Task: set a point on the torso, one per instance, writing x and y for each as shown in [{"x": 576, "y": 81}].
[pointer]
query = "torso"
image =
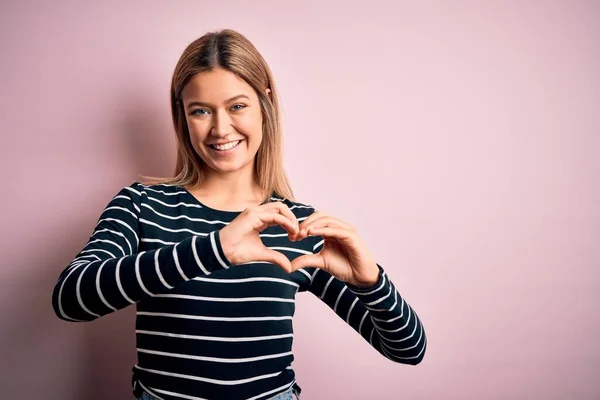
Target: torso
[
  {"x": 236, "y": 205},
  {"x": 248, "y": 301}
]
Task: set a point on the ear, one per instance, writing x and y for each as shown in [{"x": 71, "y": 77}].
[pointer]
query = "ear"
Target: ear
[{"x": 268, "y": 91}]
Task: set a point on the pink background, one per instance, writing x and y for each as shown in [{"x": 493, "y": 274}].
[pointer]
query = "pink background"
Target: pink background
[{"x": 460, "y": 138}]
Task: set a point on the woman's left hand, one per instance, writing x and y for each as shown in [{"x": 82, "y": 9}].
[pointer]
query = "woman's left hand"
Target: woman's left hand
[{"x": 343, "y": 255}]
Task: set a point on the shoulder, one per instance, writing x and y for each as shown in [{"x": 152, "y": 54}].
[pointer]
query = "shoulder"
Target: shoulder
[
  {"x": 139, "y": 192},
  {"x": 161, "y": 189}
]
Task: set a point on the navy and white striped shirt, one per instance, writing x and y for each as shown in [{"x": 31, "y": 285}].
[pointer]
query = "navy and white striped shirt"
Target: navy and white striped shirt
[{"x": 206, "y": 329}]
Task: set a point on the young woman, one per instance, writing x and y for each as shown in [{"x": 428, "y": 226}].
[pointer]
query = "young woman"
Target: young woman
[{"x": 214, "y": 257}]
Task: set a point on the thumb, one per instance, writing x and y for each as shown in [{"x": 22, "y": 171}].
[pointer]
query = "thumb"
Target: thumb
[
  {"x": 308, "y": 260},
  {"x": 276, "y": 257}
]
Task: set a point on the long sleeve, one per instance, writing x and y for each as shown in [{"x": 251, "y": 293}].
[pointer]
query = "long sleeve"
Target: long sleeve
[
  {"x": 379, "y": 314},
  {"x": 109, "y": 273}
]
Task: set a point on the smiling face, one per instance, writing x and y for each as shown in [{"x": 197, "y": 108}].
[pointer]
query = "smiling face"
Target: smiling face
[{"x": 224, "y": 119}]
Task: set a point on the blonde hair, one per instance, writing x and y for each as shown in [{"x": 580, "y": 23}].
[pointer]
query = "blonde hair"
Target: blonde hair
[{"x": 231, "y": 51}]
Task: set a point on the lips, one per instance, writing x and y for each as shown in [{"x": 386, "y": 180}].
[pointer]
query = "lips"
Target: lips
[
  {"x": 225, "y": 143},
  {"x": 225, "y": 151}
]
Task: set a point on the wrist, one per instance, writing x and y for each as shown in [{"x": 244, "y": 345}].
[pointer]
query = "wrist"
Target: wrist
[
  {"x": 369, "y": 280},
  {"x": 222, "y": 236}
]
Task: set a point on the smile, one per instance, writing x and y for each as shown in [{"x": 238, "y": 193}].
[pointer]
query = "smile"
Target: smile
[{"x": 225, "y": 148}]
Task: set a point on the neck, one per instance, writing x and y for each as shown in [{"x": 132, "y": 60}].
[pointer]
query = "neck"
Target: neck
[{"x": 237, "y": 188}]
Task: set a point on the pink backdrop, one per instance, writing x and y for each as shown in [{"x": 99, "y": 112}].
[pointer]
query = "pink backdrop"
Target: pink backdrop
[{"x": 460, "y": 138}]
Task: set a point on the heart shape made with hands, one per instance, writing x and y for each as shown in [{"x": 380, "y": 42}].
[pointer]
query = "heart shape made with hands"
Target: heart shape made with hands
[{"x": 343, "y": 254}]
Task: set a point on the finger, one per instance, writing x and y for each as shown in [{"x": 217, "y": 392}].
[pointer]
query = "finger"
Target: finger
[
  {"x": 272, "y": 218},
  {"x": 308, "y": 260},
  {"x": 315, "y": 215},
  {"x": 326, "y": 221},
  {"x": 340, "y": 234},
  {"x": 333, "y": 221},
  {"x": 277, "y": 258},
  {"x": 284, "y": 210}
]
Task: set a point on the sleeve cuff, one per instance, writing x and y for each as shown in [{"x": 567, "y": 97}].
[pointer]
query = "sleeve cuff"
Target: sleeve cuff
[
  {"x": 218, "y": 249},
  {"x": 209, "y": 254},
  {"x": 364, "y": 290}
]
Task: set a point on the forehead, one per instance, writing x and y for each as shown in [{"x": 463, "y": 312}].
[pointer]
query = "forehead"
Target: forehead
[{"x": 216, "y": 85}]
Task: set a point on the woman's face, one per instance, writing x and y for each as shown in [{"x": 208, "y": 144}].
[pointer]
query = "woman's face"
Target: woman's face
[{"x": 222, "y": 109}]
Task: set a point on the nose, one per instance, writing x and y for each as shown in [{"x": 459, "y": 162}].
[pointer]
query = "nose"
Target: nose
[{"x": 221, "y": 124}]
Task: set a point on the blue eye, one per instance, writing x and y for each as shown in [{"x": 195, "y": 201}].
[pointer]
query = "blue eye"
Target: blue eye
[{"x": 241, "y": 106}]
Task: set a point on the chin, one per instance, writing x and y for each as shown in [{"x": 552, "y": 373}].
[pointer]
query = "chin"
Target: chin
[{"x": 229, "y": 167}]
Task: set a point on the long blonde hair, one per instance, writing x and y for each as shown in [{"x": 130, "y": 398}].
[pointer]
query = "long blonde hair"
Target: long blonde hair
[{"x": 231, "y": 51}]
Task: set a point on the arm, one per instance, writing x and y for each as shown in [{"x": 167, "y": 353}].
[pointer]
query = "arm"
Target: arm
[
  {"x": 378, "y": 313},
  {"x": 109, "y": 273}
]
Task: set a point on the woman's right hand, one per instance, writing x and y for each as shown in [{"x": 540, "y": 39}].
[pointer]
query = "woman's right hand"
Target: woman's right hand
[{"x": 240, "y": 239}]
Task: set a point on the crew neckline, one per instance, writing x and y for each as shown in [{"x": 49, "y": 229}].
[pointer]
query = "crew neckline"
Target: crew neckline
[{"x": 220, "y": 213}]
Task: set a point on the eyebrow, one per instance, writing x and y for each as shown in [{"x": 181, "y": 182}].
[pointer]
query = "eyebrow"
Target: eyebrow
[{"x": 201, "y": 103}]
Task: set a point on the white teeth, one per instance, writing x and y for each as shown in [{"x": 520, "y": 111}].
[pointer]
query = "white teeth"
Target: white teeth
[{"x": 226, "y": 146}]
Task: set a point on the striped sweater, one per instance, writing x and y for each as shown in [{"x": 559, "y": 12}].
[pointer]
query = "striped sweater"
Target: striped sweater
[{"x": 206, "y": 329}]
